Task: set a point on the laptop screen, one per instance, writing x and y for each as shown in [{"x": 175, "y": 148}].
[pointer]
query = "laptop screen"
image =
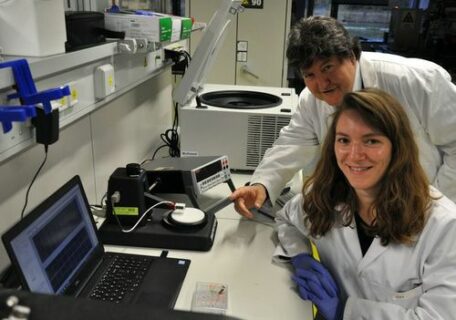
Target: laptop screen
[{"x": 53, "y": 243}]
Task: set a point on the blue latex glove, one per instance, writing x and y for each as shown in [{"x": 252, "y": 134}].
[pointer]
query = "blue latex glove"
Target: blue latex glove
[
  {"x": 315, "y": 283},
  {"x": 302, "y": 261}
]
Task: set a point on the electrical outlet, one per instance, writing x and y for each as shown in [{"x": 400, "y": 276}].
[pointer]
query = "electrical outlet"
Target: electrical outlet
[
  {"x": 67, "y": 101},
  {"x": 104, "y": 81},
  {"x": 19, "y": 134},
  {"x": 58, "y": 104},
  {"x": 73, "y": 98},
  {"x": 158, "y": 58}
]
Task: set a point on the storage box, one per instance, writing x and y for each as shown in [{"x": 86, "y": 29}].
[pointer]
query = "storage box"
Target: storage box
[
  {"x": 182, "y": 27},
  {"x": 32, "y": 28},
  {"x": 177, "y": 28},
  {"x": 187, "y": 25},
  {"x": 153, "y": 27}
]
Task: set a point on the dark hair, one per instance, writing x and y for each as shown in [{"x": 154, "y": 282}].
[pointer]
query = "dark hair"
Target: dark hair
[
  {"x": 319, "y": 37},
  {"x": 403, "y": 200}
]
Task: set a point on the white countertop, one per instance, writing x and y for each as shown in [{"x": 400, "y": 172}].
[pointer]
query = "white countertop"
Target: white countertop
[{"x": 240, "y": 259}]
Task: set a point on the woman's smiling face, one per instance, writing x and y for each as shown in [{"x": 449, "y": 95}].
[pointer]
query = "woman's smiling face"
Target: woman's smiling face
[{"x": 363, "y": 153}]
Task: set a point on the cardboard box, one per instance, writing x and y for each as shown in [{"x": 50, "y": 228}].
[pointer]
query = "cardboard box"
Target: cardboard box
[{"x": 177, "y": 27}]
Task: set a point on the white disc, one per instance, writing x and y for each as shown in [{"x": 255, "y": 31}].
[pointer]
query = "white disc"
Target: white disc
[{"x": 188, "y": 216}]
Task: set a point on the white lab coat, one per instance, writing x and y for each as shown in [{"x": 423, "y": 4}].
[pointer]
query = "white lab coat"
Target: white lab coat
[
  {"x": 393, "y": 282},
  {"x": 423, "y": 88}
]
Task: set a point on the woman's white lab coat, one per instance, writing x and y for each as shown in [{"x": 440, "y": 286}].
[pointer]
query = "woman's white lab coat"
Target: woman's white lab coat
[
  {"x": 393, "y": 282},
  {"x": 423, "y": 88}
]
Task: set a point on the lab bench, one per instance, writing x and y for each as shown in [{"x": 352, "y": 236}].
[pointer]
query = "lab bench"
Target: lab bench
[{"x": 241, "y": 260}]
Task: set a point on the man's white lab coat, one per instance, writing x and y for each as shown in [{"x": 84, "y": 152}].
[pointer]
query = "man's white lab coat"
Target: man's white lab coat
[
  {"x": 392, "y": 282},
  {"x": 423, "y": 88}
]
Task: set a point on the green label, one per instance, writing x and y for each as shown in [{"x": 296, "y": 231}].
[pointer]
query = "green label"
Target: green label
[
  {"x": 126, "y": 211},
  {"x": 186, "y": 28},
  {"x": 165, "y": 29}
]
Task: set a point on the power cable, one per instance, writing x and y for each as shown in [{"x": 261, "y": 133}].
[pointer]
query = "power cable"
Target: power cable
[{"x": 33, "y": 180}]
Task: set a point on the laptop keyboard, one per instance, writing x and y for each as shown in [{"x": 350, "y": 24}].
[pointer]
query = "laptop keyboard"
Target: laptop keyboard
[{"x": 121, "y": 279}]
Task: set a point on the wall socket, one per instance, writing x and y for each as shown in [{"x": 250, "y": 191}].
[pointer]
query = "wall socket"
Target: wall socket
[{"x": 104, "y": 81}]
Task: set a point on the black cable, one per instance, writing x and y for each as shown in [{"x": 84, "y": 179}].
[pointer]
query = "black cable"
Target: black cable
[
  {"x": 189, "y": 57},
  {"x": 174, "y": 150},
  {"x": 170, "y": 138},
  {"x": 102, "y": 198},
  {"x": 33, "y": 180},
  {"x": 156, "y": 150}
]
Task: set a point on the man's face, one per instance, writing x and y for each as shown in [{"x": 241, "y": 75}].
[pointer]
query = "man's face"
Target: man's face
[{"x": 329, "y": 79}]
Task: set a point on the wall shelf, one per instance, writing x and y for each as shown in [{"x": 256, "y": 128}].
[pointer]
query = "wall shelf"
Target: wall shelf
[
  {"x": 77, "y": 69},
  {"x": 45, "y": 66}
]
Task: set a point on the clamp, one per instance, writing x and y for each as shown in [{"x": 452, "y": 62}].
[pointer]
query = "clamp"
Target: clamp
[{"x": 28, "y": 95}]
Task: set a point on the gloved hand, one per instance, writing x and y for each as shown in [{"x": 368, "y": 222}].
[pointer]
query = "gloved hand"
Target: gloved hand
[
  {"x": 315, "y": 283},
  {"x": 301, "y": 261}
]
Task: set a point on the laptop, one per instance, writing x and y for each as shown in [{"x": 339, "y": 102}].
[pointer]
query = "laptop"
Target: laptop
[{"x": 56, "y": 250}]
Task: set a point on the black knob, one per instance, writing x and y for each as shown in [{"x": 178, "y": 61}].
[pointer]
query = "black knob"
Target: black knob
[{"x": 133, "y": 169}]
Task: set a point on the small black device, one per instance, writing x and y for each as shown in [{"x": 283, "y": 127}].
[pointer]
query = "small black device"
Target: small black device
[
  {"x": 85, "y": 29},
  {"x": 126, "y": 186},
  {"x": 182, "y": 180},
  {"x": 161, "y": 231},
  {"x": 47, "y": 126}
]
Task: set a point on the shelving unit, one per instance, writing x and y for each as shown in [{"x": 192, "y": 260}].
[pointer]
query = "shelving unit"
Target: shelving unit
[{"x": 77, "y": 70}]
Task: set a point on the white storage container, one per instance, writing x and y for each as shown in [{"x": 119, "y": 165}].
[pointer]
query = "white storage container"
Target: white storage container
[{"x": 32, "y": 27}]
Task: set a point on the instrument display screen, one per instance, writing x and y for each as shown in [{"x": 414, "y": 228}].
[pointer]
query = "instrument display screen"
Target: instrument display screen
[{"x": 207, "y": 171}]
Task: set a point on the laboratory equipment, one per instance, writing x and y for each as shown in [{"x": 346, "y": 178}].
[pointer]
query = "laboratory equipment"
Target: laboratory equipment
[
  {"x": 178, "y": 180},
  {"x": 55, "y": 249},
  {"x": 193, "y": 80},
  {"x": 239, "y": 121},
  {"x": 240, "y": 127}
]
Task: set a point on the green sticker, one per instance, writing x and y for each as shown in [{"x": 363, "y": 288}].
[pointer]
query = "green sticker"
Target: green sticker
[
  {"x": 186, "y": 28},
  {"x": 126, "y": 211},
  {"x": 165, "y": 29}
]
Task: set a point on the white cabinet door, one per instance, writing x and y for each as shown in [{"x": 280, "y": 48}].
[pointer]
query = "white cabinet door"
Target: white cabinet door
[
  {"x": 263, "y": 30},
  {"x": 224, "y": 67}
]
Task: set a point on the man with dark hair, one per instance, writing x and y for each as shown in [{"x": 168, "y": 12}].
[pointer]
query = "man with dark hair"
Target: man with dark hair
[{"x": 332, "y": 64}]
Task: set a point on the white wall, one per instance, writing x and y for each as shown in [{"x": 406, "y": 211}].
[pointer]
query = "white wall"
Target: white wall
[{"x": 125, "y": 130}]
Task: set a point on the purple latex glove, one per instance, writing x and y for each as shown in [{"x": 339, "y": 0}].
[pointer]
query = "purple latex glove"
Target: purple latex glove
[
  {"x": 315, "y": 283},
  {"x": 302, "y": 261}
]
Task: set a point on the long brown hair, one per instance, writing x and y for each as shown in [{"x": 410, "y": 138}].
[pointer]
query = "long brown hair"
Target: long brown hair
[{"x": 403, "y": 200}]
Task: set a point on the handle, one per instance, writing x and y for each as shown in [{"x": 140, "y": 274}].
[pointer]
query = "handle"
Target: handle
[
  {"x": 246, "y": 69},
  {"x": 110, "y": 33}
]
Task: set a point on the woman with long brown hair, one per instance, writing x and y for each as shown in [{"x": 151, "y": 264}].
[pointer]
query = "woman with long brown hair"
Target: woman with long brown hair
[{"x": 386, "y": 239}]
